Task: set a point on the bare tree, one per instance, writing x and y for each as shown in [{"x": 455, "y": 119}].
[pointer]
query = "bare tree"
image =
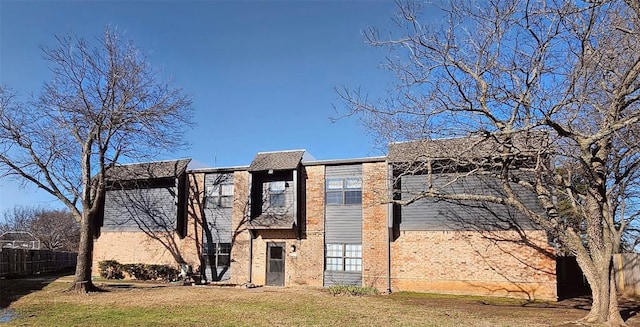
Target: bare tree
[
  {"x": 104, "y": 104},
  {"x": 563, "y": 73},
  {"x": 18, "y": 218},
  {"x": 55, "y": 229}
]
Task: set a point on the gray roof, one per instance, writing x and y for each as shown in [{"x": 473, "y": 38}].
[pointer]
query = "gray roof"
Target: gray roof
[
  {"x": 283, "y": 160},
  {"x": 148, "y": 170},
  {"x": 463, "y": 148}
]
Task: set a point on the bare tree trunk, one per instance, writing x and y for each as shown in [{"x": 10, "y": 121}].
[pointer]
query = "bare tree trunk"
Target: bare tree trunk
[
  {"x": 614, "y": 313},
  {"x": 82, "y": 282},
  {"x": 604, "y": 306}
]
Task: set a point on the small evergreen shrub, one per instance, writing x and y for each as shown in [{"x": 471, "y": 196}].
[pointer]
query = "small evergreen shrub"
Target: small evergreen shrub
[
  {"x": 352, "y": 290},
  {"x": 141, "y": 271},
  {"x": 110, "y": 269},
  {"x": 137, "y": 271},
  {"x": 166, "y": 272}
]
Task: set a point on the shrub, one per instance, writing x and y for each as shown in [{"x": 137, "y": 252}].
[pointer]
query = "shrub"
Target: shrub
[
  {"x": 110, "y": 269},
  {"x": 352, "y": 290},
  {"x": 136, "y": 270},
  {"x": 141, "y": 271},
  {"x": 166, "y": 272}
]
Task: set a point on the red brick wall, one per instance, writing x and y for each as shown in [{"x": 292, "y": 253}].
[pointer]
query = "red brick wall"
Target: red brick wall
[
  {"x": 240, "y": 236},
  {"x": 374, "y": 225},
  {"x": 467, "y": 262}
]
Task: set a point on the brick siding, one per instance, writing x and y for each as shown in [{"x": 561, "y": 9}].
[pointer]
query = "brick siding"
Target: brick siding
[
  {"x": 468, "y": 262},
  {"x": 374, "y": 225}
]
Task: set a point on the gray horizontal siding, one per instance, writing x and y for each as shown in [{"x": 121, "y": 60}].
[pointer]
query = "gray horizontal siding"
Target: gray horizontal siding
[
  {"x": 146, "y": 209},
  {"x": 218, "y": 224},
  {"x": 432, "y": 214},
  {"x": 218, "y": 218},
  {"x": 343, "y": 223},
  {"x": 217, "y": 228},
  {"x": 217, "y": 179},
  {"x": 221, "y": 273},
  {"x": 332, "y": 278},
  {"x": 343, "y": 171}
]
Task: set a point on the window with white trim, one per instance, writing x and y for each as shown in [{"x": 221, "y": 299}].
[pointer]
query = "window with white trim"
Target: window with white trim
[
  {"x": 343, "y": 191},
  {"x": 343, "y": 257},
  {"x": 220, "y": 195}
]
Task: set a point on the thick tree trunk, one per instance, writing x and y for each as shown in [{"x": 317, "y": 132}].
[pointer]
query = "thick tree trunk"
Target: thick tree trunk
[
  {"x": 604, "y": 306},
  {"x": 82, "y": 281},
  {"x": 615, "y": 319}
]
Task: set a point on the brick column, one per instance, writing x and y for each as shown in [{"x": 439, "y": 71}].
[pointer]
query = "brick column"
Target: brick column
[
  {"x": 374, "y": 225},
  {"x": 240, "y": 237}
]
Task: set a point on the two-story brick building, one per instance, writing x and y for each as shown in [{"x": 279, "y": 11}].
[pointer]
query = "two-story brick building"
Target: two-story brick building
[{"x": 288, "y": 219}]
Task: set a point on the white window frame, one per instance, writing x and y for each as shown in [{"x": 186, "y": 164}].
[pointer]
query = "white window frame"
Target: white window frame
[
  {"x": 219, "y": 196},
  {"x": 344, "y": 257},
  {"x": 342, "y": 187}
]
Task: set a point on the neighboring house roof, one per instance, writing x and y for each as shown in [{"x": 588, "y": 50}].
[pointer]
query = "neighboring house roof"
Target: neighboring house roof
[
  {"x": 283, "y": 160},
  {"x": 148, "y": 170},
  {"x": 18, "y": 236},
  {"x": 463, "y": 147}
]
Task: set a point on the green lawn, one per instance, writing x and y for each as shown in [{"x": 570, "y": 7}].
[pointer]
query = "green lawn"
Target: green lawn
[{"x": 136, "y": 304}]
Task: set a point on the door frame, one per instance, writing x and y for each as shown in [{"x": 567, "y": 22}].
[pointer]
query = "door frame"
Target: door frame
[{"x": 271, "y": 245}]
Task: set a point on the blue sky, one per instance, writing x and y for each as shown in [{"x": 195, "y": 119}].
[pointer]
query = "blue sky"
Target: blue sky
[{"x": 261, "y": 74}]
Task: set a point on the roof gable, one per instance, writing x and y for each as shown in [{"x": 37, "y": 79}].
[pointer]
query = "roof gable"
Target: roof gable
[
  {"x": 464, "y": 148},
  {"x": 283, "y": 160},
  {"x": 148, "y": 170}
]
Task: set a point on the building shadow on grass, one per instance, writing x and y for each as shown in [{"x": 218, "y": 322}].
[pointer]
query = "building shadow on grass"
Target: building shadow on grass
[{"x": 12, "y": 289}]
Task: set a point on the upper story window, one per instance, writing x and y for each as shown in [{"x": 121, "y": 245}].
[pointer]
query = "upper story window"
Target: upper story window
[
  {"x": 277, "y": 193},
  {"x": 343, "y": 191},
  {"x": 220, "y": 195}
]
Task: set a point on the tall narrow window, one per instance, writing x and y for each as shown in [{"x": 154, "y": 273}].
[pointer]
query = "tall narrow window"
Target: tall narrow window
[
  {"x": 353, "y": 191},
  {"x": 277, "y": 194},
  {"x": 226, "y": 195},
  {"x": 223, "y": 255},
  {"x": 353, "y": 257},
  {"x": 334, "y": 257},
  {"x": 334, "y": 191}
]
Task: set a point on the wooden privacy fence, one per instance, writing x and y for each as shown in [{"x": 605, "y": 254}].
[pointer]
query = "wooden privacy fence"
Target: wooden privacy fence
[
  {"x": 627, "y": 273},
  {"x": 22, "y": 262}
]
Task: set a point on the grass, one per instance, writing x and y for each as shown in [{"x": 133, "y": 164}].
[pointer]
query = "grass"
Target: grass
[{"x": 145, "y": 304}]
